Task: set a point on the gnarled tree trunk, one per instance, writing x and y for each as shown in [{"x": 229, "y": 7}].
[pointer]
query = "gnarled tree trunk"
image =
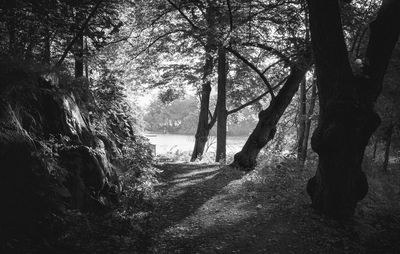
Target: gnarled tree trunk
[{"x": 347, "y": 119}]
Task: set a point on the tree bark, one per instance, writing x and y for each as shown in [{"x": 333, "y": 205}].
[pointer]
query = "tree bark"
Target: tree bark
[
  {"x": 221, "y": 106},
  {"x": 79, "y": 66},
  {"x": 304, "y": 150},
  {"x": 302, "y": 120},
  {"x": 347, "y": 118},
  {"x": 204, "y": 125},
  {"x": 388, "y": 142},
  {"x": 268, "y": 119}
]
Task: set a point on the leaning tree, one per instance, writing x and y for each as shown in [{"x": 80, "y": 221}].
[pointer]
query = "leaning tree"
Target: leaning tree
[
  {"x": 346, "y": 98},
  {"x": 289, "y": 43}
]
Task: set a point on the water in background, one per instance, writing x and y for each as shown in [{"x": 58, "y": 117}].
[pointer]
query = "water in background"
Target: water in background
[{"x": 172, "y": 143}]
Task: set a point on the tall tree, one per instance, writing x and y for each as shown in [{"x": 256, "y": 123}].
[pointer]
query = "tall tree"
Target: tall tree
[
  {"x": 290, "y": 45},
  {"x": 347, "y": 118},
  {"x": 205, "y": 123}
]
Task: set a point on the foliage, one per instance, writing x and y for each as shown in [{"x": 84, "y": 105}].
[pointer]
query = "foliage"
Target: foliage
[
  {"x": 37, "y": 29},
  {"x": 179, "y": 116}
]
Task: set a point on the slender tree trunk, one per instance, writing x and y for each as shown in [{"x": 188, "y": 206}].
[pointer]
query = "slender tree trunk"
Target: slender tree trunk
[
  {"x": 204, "y": 125},
  {"x": 47, "y": 47},
  {"x": 203, "y": 128},
  {"x": 78, "y": 35},
  {"x": 86, "y": 63},
  {"x": 221, "y": 106},
  {"x": 268, "y": 119},
  {"x": 304, "y": 150},
  {"x": 302, "y": 120},
  {"x": 388, "y": 142},
  {"x": 79, "y": 66},
  {"x": 347, "y": 118}
]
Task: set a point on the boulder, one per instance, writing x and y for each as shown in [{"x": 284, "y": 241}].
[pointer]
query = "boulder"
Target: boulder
[{"x": 91, "y": 180}]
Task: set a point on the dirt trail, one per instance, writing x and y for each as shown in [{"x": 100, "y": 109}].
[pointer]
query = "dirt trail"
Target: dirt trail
[{"x": 214, "y": 209}]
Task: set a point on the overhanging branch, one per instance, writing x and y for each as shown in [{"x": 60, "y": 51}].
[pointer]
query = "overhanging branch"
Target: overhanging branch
[
  {"x": 274, "y": 51},
  {"x": 157, "y": 39},
  {"x": 253, "y": 67},
  {"x": 255, "y": 99}
]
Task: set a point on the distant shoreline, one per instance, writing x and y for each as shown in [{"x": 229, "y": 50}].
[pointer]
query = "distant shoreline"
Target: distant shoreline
[{"x": 154, "y": 134}]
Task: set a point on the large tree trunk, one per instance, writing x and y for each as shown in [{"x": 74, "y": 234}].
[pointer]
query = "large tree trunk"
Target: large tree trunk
[
  {"x": 304, "y": 149},
  {"x": 347, "y": 119},
  {"x": 221, "y": 106},
  {"x": 388, "y": 141},
  {"x": 302, "y": 120},
  {"x": 268, "y": 119}
]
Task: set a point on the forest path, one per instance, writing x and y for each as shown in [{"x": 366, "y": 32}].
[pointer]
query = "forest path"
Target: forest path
[{"x": 215, "y": 209}]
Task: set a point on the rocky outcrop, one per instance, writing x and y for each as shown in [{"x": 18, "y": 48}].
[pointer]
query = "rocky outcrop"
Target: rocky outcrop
[
  {"x": 91, "y": 180},
  {"x": 16, "y": 161},
  {"x": 48, "y": 150}
]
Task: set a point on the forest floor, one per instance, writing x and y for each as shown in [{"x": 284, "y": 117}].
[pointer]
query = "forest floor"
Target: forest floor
[{"x": 207, "y": 208}]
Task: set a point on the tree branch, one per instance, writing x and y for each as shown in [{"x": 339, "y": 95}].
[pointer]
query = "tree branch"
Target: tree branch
[
  {"x": 255, "y": 99},
  {"x": 272, "y": 65},
  {"x": 274, "y": 51},
  {"x": 183, "y": 14},
  {"x": 213, "y": 118},
  {"x": 210, "y": 114},
  {"x": 253, "y": 67},
  {"x": 157, "y": 39},
  {"x": 247, "y": 103},
  {"x": 80, "y": 32}
]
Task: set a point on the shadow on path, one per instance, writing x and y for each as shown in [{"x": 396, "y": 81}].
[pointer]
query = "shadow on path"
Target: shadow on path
[
  {"x": 187, "y": 187},
  {"x": 264, "y": 212}
]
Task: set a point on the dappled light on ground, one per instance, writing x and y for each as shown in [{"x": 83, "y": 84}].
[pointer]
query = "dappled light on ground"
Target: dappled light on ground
[{"x": 216, "y": 209}]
